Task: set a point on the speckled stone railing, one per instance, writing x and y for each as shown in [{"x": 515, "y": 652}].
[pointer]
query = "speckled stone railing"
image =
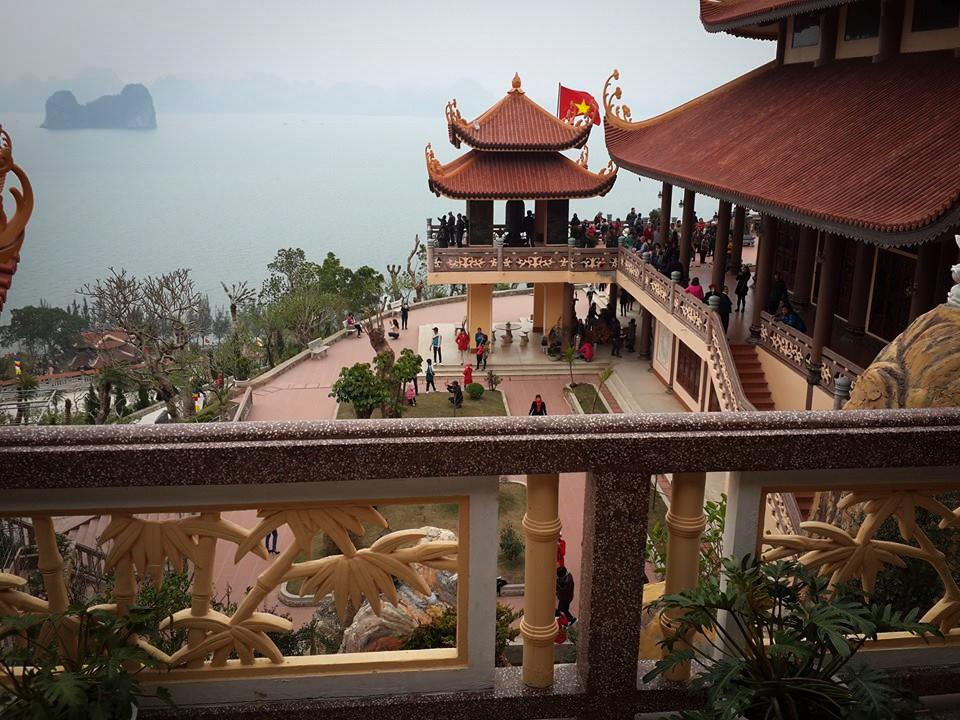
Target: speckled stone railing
[
  {"x": 56, "y": 470},
  {"x": 542, "y": 258}
]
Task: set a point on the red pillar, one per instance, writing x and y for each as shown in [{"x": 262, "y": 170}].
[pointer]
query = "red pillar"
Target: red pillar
[
  {"x": 764, "y": 272},
  {"x": 720, "y": 246},
  {"x": 739, "y": 221},
  {"x": 686, "y": 231},
  {"x": 806, "y": 261},
  {"x": 860, "y": 292},
  {"x": 826, "y": 300},
  {"x": 666, "y": 195}
]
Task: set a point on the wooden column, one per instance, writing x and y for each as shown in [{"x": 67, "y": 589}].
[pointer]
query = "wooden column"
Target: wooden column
[
  {"x": 860, "y": 292},
  {"x": 645, "y": 330},
  {"x": 829, "y": 20},
  {"x": 538, "y": 295},
  {"x": 666, "y": 201},
  {"x": 720, "y": 246},
  {"x": 479, "y": 312},
  {"x": 480, "y": 216},
  {"x": 686, "y": 232},
  {"x": 924, "y": 280},
  {"x": 826, "y": 302},
  {"x": 891, "y": 29},
  {"x": 739, "y": 221},
  {"x": 541, "y": 527},
  {"x": 540, "y": 215},
  {"x": 806, "y": 261},
  {"x": 781, "y": 41},
  {"x": 685, "y": 524},
  {"x": 764, "y": 273}
]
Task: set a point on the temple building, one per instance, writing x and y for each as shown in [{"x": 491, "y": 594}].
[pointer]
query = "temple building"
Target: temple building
[
  {"x": 848, "y": 144},
  {"x": 515, "y": 156}
]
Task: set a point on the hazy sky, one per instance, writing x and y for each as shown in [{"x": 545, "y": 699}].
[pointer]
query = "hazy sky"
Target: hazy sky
[{"x": 659, "y": 45}]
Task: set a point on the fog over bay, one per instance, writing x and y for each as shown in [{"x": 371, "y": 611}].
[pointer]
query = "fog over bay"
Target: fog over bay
[{"x": 300, "y": 123}]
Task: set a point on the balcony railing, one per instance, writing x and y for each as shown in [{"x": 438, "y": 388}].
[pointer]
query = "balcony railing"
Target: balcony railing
[
  {"x": 543, "y": 258},
  {"x": 336, "y": 477},
  {"x": 794, "y": 348}
]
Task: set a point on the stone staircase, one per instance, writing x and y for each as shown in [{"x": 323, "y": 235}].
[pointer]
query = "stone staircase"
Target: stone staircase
[{"x": 752, "y": 379}]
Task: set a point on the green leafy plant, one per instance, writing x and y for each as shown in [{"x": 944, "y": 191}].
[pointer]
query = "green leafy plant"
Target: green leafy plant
[
  {"x": 603, "y": 377},
  {"x": 441, "y": 631},
  {"x": 493, "y": 380},
  {"x": 47, "y": 680},
  {"x": 786, "y": 647},
  {"x": 475, "y": 391},
  {"x": 360, "y": 386},
  {"x": 511, "y": 544}
]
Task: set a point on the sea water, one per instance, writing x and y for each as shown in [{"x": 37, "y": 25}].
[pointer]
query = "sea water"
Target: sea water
[{"x": 219, "y": 194}]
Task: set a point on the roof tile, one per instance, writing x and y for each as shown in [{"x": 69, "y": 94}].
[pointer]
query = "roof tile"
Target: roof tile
[{"x": 859, "y": 144}]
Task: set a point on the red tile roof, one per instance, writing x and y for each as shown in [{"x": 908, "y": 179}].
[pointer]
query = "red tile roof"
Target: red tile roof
[
  {"x": 717, "y": 15},
  {"x": 484, "y": 175},
  {"x": 869, "y": 150},
  {"x": 515, "y": 123}
]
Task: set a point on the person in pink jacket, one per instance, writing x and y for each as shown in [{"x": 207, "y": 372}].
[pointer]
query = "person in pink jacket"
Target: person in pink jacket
[{"x": 696, "y": 289}]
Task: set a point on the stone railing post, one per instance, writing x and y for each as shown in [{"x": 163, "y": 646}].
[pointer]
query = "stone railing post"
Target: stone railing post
[
  {"x": 611, "y": 588},
  {"x": 685, "y": 524},
  {"x": 539, "y": 624},
  {"x": 571, "y": 252},
  {"x": 431, "y": 246},
  {"x": 841, "y": 392},
  {"x": 499, "y": 254}
]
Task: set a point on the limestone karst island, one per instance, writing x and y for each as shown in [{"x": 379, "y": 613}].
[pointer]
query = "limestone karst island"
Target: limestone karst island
[{"x": 132, "y": 109}]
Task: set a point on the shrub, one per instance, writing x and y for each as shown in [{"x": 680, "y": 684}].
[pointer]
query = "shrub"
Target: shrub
[
  {"x": 475, "y": 391},
  {"x": 511, "y": 544},
  {"x": 493, "y": 380},
  {"x": 441, "y": 631}
]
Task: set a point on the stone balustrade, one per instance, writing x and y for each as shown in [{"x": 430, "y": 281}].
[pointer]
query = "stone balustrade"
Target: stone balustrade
[{"x": 170, "y": 493}]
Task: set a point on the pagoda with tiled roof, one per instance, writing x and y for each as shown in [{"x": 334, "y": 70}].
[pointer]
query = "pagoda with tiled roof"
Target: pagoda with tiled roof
[{"x": 517, "y": 155}]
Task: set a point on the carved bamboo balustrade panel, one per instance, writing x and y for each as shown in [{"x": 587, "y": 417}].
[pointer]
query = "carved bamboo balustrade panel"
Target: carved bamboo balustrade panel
[{"x": 335, "y": 476}]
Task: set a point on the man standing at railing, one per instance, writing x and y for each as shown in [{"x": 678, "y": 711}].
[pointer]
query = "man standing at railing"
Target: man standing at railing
[
  {"x": 565, "y": 586},
  {"x": 461, "y": 228}
]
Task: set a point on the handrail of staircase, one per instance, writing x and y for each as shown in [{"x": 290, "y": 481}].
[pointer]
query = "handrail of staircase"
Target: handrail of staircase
[{"x": 730, "y": 391}]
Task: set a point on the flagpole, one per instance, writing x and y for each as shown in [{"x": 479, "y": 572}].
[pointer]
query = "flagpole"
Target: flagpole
[{"x": 558, "y": 99}]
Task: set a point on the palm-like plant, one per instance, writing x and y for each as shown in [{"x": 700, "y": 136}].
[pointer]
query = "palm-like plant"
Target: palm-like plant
[
  {"x": 238, "y": 294},
  {"x": 603, "y": 377},
  {"x": 569, "y": 355},
  {"x": 785, "y": 650}
]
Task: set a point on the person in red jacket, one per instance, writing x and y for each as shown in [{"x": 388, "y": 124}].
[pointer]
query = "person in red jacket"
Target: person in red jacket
[
  {"x": 561, "y": 550},
  {"x": 467, "y": 375},
  {"x": 463, "y": 343}
]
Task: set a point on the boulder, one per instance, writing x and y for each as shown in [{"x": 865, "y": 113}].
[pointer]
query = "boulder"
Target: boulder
[
  {"x": 132, "y": 109},
  {"x": 368, "y": 632}
]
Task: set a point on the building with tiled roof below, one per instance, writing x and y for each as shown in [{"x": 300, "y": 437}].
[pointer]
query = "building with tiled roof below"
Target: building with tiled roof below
[
  {"x": 847, "y": 145},
  {"x": 101, "y": 349}
]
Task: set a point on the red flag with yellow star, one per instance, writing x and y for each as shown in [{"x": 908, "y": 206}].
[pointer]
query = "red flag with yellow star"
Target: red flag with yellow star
[{"x": 571, "y": 103}]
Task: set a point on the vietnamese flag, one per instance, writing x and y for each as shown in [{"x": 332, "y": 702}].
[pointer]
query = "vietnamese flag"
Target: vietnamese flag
[{"x": 576, "y": 102}]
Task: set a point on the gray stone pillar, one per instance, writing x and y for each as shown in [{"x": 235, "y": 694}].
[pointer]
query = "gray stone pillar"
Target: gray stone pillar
[{"x": 558, "y": 222}]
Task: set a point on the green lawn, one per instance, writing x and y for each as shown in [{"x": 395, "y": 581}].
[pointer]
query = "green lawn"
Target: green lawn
[
  {"x": 436, "y": 404},
  {"x": 511, "y": 504},
  {"x": 587, "y": 397}
]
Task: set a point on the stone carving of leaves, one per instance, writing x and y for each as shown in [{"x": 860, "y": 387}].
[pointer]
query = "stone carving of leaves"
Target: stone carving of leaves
[
  {"x": 245, "y": 637},
  {"x": 370, "y": 572}
]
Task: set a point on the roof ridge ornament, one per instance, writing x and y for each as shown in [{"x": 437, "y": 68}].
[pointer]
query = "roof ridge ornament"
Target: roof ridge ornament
[
  {"x": 515, "y": 85},
  {"x": 453, "y": 114},
  {"x": 610, "y": 169},
  {"x": 584, "y": 158},
  {"x": 617, "y": 114},
  {"x": 11, "y": 229},
  {"x": 433, "y": 165},
  {"x": 953, "y": 297}
]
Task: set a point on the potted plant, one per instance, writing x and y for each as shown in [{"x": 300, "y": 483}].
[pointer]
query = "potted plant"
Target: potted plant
[
  {"x": 785, "y": 648},
  {"x": 77, "y": 664}
]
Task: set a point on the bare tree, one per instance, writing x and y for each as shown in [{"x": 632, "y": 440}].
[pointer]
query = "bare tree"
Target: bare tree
[
  {"x": 158, "y": 314},
  {"x": 394, "y": 272},
  {"x": 239, "y": 294},
  {"x": 416, "y": 275}
]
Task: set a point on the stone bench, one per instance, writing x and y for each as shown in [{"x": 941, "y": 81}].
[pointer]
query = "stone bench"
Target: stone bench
[{"x": 318, "y": 350}]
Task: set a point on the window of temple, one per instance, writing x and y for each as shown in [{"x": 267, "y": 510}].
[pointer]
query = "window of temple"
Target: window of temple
[
  {"x": 863, "y": 20},
  {"x": 935, "y": 15},
  {"x": 806, "y": 30},
  {"x": 688, "y": 370}
]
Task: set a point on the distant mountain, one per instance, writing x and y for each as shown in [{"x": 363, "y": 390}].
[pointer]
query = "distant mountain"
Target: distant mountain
[
  {"x": 132, "y": 109},
  {"x": 28, "y": 93}
]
